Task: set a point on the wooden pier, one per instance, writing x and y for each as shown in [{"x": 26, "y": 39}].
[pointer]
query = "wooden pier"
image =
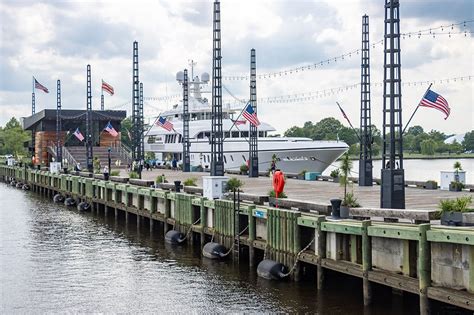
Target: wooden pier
[{"x": 432, "y": 261}]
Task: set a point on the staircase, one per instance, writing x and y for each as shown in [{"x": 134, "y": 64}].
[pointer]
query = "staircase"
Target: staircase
[{"x": 78, "y": 154}]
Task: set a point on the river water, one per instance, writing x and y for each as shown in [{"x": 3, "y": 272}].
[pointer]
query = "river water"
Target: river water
[
  {"x": 421, "y": 170},
  {"x": 54, "y": 259}
]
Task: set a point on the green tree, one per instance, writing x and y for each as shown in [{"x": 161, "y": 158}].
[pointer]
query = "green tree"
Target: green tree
[
  {"x": 468, "y": 142},
  {"x": 428, "y": 147},
  {"x": 327, "y": 129},
  {"x": 126, "y": 130},
  {"x": 455, "y": 147},
  {"x": 13, "y": 137},
  {"x": 294, "y": 132},
  {"x": 415, "y": 131}
]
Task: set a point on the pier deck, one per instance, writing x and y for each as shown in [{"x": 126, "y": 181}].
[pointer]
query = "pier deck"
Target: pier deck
[{"x": 320, "y": 191}]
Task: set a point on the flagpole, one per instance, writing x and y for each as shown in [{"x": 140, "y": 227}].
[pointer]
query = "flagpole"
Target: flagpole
[
  {"x": 350, "y": 124},
  {"x": 414, "y": 112},
  {"x": 102, "y": 96},
  {"x": 235, "y": 120},
  {"x": 33, "y": 97},
  {"x": 157, "y": 117}
]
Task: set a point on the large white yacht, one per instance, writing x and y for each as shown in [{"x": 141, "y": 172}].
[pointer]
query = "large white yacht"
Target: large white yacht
[{"x": 292, "y": 154}]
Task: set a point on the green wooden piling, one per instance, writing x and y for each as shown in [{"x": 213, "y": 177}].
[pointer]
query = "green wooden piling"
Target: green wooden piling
[
  {"x": 252, "y": 232},
  {"x": 424, "y": 268},
  {"x": 366, "y": 262},
  {"x": 321, "y": 246}
]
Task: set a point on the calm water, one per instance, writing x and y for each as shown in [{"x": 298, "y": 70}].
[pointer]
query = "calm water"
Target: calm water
[
  {"x": 54, "y": 259},
  {"x": 420, "y": 169}
]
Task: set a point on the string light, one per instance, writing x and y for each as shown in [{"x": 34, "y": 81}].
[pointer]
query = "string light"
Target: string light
[{"x": 430, "y": 32}]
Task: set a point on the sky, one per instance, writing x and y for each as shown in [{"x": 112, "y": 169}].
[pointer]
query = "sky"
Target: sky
[{"x": 55, "y": 39}]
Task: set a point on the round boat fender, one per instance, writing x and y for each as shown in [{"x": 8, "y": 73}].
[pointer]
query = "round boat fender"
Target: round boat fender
[
  {"x": 174, "y": 237},
  {"x": 58, "y": 198},
  {"x": 271, "y": 270},
  {"x": 83, "y": 206},
  {"x": 214, "y": 251},
  {"x": 19, "y": 185},
  {"x": 26, "y": 187},
  {"x": 13, "y": 183},
  {"x": 70, "y": 202}
]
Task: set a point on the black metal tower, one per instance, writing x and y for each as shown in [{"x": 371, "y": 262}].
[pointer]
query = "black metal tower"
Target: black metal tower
[
  {"x": 102, "y": 106},
  {"x": 365, "y": 156},
  {"x": 141, "y": 151},
  {"x": 33, "y": 103},
  {"x": 392, "y": 188},
  {"x": 186, "y": 144},
  {"x": 59, "y": 151},
  {"x": 253, "y": 136},
  {"x": 217, "y": 136},
  {"x": 89, "y": 139},
  {"x": 135, "y": 106}
]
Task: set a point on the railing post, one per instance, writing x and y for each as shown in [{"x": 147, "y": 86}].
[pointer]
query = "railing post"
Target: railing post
[{"x": 321, "y": 241}]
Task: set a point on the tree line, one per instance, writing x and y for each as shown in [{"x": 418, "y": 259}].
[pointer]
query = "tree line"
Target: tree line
[{"x": 415, "y": 140}]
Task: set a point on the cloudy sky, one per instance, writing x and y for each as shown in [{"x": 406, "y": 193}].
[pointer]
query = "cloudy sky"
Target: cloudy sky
[{"x": 56, "y": 40}]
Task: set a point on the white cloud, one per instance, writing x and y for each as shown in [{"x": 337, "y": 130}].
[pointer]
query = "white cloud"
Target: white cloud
[{"x": 58, "y": 40}]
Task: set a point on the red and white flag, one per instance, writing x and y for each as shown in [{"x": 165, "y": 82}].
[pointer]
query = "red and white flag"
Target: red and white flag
[
  {"x": 78, "y": 135},
  {"x": 110, "y": 129},
  {"x": 107, "y": 88},
  {"x": 436, "y": 101},
  {"x": 40, "y": 86}
]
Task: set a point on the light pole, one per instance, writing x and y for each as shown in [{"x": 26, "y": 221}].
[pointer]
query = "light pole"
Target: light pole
[{"x": 110, "y": 164}]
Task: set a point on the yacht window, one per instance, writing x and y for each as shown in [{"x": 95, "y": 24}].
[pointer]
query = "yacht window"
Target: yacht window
[
  {"x": 225, "y": 159},
  {"x": 200, "y": 135},
  {"x": 232, "y": 157},
  {"x": 227, "y": 134},
  {"x": 261, "y": 134},
  {"x": 207, "y": 134},
  {"x": 151, "y": 139},
  {"x": 235, "y": 134},
  {"x": 205, "y": 159},
  {"x": 176, "y": 115},
  {"x": 180, "y": 138},
  {"x": 243, "y": 157},
  {"x": 245, "y": 134},
  {"x": 209, "y": 158}
]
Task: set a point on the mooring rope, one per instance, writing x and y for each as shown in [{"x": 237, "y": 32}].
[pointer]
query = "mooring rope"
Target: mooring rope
[
  {"x": 297, "y": 259},
  {"x": 189, "y": 231},
  {"x": 232, "y": 247}
]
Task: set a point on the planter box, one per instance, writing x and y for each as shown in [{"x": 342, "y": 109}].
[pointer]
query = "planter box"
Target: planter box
[
  {"x": 300, "y": 176},
  {"x": 311, "y": 176},
  {"x": 454, "y": 188},
  {"x": 430, "y": 185},
  {"x": 119, "y": 179},
  {"x": 458, "y": 218},
  {"x": 344, "y": 212},
  {"x": 141, "y": 182},
  {"x": 335, "y": 179}
]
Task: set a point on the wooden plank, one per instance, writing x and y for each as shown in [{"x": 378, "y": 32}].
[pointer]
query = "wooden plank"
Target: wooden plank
[
  {"x": 454, "y": 297},
  {"x": 410, "y": 214},
  {"x": 395, "y": 231},
  {"x": 311, "y": 222},
  {"x": 343, "y": 267},
  {"x": 451, "y": 236},
  {"x": 343, "y": 227},
  {"x": 394, "y": 280}
]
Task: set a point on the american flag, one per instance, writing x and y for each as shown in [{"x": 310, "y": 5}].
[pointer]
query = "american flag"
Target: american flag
[
  {"x": 41, "y": 87},
  {"x": 110, "y": 129},
  {"x": 250, "y": 115},
  {"x": 162, "y": 122},
  {"x": 239, "y": 122},
  {"x": 344, "y": 114},
  {"x": 436, "y": 101},
  {"x": 78, "y": 135},
  {"x": 107, "y": 88}
]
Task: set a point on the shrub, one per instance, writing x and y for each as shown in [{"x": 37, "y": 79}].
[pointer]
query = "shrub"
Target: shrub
[
  {"x": 302, "y": 172},
  {"x": 133, "y": 175},
  {"x": 335, "y": 173},
  {"x": 244, "y": 168},
  {"x": 350, "y": 201},
  {"x": 457, "y": 185},
  {"x": 234, "y": 184},
  {"x": 460, "y": 204},
  {"x": 190, "y": 181},
  {"x": 115, "y": 173},
  {"x": 272, "y": 194},
  {"x": 160, "y": 179}
]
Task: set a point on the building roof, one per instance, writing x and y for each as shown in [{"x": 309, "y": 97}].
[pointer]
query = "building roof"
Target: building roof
[{"x": 73, "y": 114}]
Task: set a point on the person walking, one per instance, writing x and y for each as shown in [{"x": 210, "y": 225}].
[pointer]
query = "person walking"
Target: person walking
[{"x": 106, "y": 172}]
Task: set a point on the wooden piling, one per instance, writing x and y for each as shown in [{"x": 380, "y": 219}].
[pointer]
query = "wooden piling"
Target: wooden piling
[
  {"x": 424, "y": 268},
  {"x": 366, "y": 262},
  {"x": 321, "y": 247}
]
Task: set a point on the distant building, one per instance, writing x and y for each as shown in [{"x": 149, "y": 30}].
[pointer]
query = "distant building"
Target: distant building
[
  {"x": 458, "y": 138},
  {"x": 43, "y": 127}
]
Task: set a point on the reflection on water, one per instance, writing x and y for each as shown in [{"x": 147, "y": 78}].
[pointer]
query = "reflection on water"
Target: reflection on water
[{"x": 55, "y": 259}]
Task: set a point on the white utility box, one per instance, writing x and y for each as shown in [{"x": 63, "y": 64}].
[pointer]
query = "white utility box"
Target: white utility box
[
  {"x": 449, "y": 176},
  {"x": 54, "y": 167},
  {"x": 214, "y": 186},
  {"x": 11, "y": 162}
]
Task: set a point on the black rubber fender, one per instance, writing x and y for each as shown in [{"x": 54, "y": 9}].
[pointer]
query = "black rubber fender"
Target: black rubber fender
[
  {"x": 271, "y": 270},
  {"x": 58, "y": 198},
  {"x": 25, "y": 187},
  {"x": 214, "y": 251},
  {"x": 70, "y": 202},
  {"x": 83, "y": 206},
  {"x": 19, "y": 185},
  {"x": 174, "y": 237}
]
